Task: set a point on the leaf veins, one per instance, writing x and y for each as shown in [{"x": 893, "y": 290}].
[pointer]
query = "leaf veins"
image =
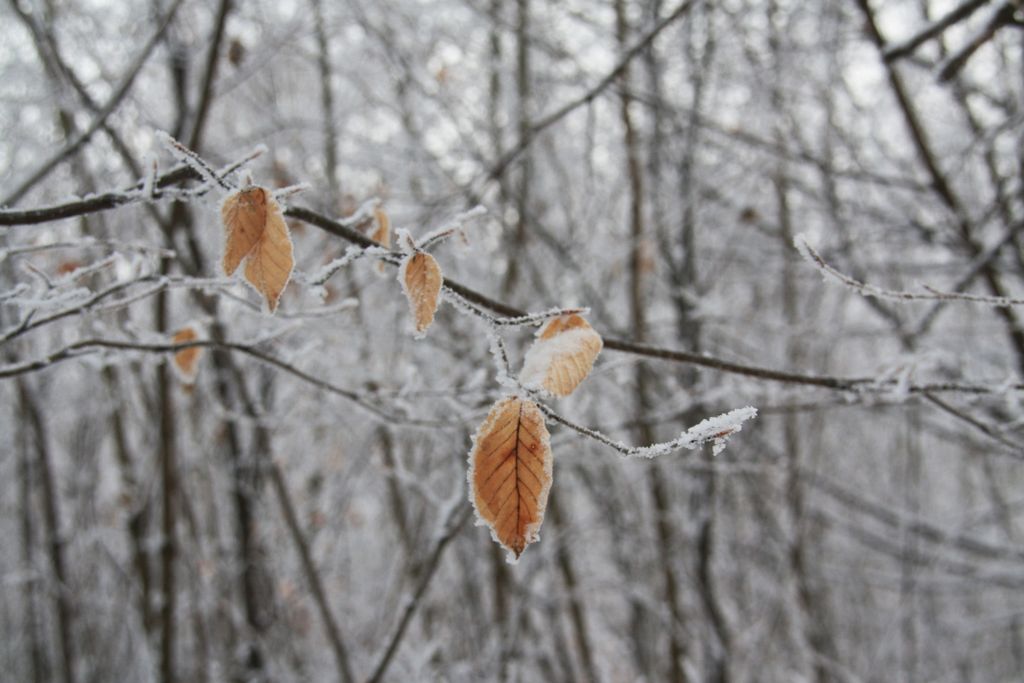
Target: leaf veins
[{"x": 510, "y": 473}]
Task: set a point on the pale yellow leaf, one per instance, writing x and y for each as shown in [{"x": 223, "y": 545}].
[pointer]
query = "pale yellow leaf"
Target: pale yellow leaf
[
  {"x": 244, "y": 215},
  {"x": 269, "y": 265},
  {"x": 510, "y": 472},
  {"x": 562, "y": 356},
  {"x": 421, "y": 280},
  {"x": 186, "y": 361}
]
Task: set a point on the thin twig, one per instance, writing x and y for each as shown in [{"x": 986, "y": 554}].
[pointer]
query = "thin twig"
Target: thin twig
[
  {"x": 954, "y": 16},
  {"x": 712, "y": 430},
  {"x": 312, "y": 575},
  {"x": 452, "y": 520},
  {"x": 557, "y": 115},
  {"x": 985, "y": 429},
  {"x": 115, "y": 100},
  {"x": 865, "y": 289},
  {"x": 86, "y": 346},
  {"x": 132, "y": 195},
  {"x": 347, "y": 230},
  {"x": 1003, "y": 16}
]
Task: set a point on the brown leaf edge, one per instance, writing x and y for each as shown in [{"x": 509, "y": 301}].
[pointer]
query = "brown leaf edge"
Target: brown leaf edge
[
  {"x": 539, "y": 367},
  {"x": 269, "y": 266},
  {"x": 243, "y": 215},
  {"x": 525, "y": 411},
  {"x": 381, "y": 233},
  {"x": 421, "y": 280}
]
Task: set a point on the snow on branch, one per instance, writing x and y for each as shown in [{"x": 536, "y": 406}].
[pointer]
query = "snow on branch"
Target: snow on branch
[
  {"x": 525, "y": 320},
  {"x": 190, "y": 158},
  {"x": 145, "y": 190},
  {"x": 394, "y": 415},
  {"x": 456, "y": 224},
  {"x": 865, "y": 289},
  {"x": 715, "y": 430},
  {"x": 320, "y": 276}
]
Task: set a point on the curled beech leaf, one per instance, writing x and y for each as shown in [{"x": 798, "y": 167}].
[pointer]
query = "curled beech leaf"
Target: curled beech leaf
[
  {"x": 269, "y": 265},
  {"x": 382, "y": 232},
  {"x": 562, "y": 356},
  {"x": 244, "y": 214},
  {"x": 421, "y": 280},
  {"x": 510, "y": 473},
  {"x": 256, "y": 233}
]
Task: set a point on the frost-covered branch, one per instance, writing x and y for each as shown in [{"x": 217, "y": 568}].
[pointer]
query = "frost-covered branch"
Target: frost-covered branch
[
  {"x": 88, "y": 346},
  {"x": 84, "y": 243},
  {"x": 101, "y": 117},
  {"x": 864, "y": 289},
  {"x": 92, "y": 300},
  {"x": 320, "y": 276},
  {"x": 715, "y": 430},
  {"x": 545, "y": 122},
  {"x": 456, "y": 224},
  {"x": 145, "y": 190},
  {"x": 193, "y": 160},
  {"x": 347, "y": 229}
]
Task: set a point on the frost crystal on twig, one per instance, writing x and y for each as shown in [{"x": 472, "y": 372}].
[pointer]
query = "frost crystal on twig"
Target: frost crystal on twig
[
  {"x": 865, "y": 289},
  {"x": 715, "y": 430}
]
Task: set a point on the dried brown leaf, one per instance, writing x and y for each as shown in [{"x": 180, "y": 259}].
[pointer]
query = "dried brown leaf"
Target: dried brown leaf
[
  {"x": 186, "y": 361},
  {"x": 269, "y": 265},
  {"x": 510, "y": 472},
  {"x": 562, "y": 323},
  {"x": 421, "y": 280},
  {"x": 244, "y": 215},
  {"x": 382, "y": 233},
  {"x": 562, "y": 356}
]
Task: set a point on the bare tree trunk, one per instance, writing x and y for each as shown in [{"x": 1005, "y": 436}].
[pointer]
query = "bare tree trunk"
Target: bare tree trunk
[
  {"x": 811, "y": 621},
  {"x": 639, "y": 264},
  {"x": 523, "y": 188},
  {"x": 169, "y": 492},
  {"x": 37, "y": 657},
  {"x": 577, "y": 614},
  {"x": 327, "y": 104},
  {"x": 33, "y": 417}
]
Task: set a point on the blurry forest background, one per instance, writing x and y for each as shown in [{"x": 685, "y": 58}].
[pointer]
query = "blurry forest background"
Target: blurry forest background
[{"x": 299, "y": 513}]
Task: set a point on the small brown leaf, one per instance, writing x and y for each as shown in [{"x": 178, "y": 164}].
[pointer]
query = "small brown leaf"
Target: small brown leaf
[
  {"x": 382, "y": 233},
  {"x": 68, "y": 267},
  {"x": 269, "y": 265},
  {"x": 421, "y": 280},
  {"x": 244, "y": 215},
  {"x": 186, "y": 361},
  {"x": 562, "y": 356},
  {"x": 510, "y": 472}
]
